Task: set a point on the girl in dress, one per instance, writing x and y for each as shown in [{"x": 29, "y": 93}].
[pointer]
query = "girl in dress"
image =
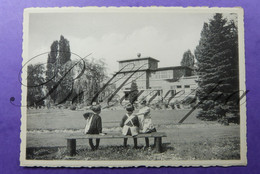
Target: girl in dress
[{"x": 145, "y": 121}]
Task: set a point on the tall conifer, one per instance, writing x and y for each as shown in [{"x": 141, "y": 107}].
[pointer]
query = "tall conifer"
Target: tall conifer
[
  {"x": 52, "y": 69},
  {"x": 217, "y": 56}
]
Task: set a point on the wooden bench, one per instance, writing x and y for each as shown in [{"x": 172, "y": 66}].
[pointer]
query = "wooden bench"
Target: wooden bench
[{"x": 71, "y": 140}]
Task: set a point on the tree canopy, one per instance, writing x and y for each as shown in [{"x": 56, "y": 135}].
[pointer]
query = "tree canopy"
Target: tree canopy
[
  {"x": 187, "y": 59},
  {"x": 217, "y": 61},
  {"x": 35, "y": 80}
]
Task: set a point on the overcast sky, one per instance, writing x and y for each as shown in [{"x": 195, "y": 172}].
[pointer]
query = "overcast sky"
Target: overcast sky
[{"x": 114, "y": 36}]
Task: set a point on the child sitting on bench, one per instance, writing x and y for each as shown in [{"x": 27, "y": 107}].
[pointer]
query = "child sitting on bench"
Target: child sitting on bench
[
  {"x": 130, "y": 124},
  {"x": 145, "y": 120},
  {"x": 93, "y": 124}
]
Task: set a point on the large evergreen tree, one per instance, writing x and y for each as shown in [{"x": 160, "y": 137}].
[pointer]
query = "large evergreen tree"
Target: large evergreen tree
[{"x": 217, "y": 61}]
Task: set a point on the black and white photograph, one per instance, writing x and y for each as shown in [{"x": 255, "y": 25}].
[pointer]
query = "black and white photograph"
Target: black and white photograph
[{"x": 123, "y": 87}]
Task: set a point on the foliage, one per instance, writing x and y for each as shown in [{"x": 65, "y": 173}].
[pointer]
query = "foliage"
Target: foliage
[
  {"x": 187, "y": 59},
  {"x": 35, "y": 80},
  {"x": 133, "y": 95},
  {"x": 61, "y": 87},
  {"x": 65, "y": 73},
  {"x": 217, "y": 61},
  {"x": 189, "y": 101},
  {"x": 52, "y": 69},
  {"x": 59, "y": 77},
  {"x": 64, "y": 50},
  {"x": 91, "y": 82},
  {"x": 73, "y": 107}
]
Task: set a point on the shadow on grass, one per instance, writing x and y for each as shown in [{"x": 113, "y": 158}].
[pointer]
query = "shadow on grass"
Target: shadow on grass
[
  {"x": 103, "y": 153},
  {"x": 224, "y": 149}
]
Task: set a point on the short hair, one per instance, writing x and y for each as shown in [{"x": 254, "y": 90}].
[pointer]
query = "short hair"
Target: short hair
[
  {"x": 96, "y": 108},
  {"x": 130, "y": 107}
]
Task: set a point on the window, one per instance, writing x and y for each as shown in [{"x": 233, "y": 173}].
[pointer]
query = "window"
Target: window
[
  {"x": 163, "y": 74},
  {"x": 178, "y": 86},
  {"x": 186, "y": 86}
]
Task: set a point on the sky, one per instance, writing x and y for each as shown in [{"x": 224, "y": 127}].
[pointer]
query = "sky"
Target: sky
[{"x": 118, "y": 36}]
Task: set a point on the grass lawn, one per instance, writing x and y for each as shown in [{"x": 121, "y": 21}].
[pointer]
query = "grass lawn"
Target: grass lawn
[{"x": 192, "y": 140}]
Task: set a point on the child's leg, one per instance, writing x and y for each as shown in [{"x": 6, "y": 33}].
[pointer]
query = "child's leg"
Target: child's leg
[
  {"x": 125, "y": 142},
  {"x": 147, "y": 141},
  {"x": 91, "y": 144},
  {"x": 97, "y": 142},
  {"x": 135, "y": 142}
]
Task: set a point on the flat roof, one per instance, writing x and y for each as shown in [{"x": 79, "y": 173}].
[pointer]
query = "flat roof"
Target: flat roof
[
  {"x": 141, "y": 58},
  {"x": 170, "y": 68},
  {"x": 158, "y": 69}
]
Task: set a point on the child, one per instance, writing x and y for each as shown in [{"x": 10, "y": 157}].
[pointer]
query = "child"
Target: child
[
  {"x": 94, "y": 124},
  {"x": 145, "y": 121},
  {"x": 130, "y": 124}
]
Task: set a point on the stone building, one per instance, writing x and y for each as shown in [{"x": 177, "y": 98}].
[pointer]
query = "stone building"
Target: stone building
[{"x": 154, "y": 83}]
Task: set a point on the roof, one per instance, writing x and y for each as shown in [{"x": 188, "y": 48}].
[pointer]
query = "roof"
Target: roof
[
  {"x": 141, "y": 58},
  {"x": 158, "y": 69},
  {"x": 131, "y": 71},
  {"x": 171, "y": 68}
]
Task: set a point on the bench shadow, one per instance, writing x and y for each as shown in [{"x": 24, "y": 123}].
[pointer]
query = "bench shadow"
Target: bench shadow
[{"x": 166, "y": 146}]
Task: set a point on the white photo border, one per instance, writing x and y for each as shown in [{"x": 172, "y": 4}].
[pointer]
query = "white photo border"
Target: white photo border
[{"x": 129, "y": 163}]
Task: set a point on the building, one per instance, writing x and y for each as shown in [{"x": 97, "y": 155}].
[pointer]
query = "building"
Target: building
[{"x": 154, "y": 83}]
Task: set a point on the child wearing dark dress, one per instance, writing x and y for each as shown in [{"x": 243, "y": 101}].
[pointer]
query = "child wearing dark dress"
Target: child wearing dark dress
[{"x": 93, "y": 124}]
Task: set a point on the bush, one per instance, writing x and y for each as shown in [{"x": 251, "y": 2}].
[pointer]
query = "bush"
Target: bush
[
  {"x": 73, "y": 107},
  {"x": 172, "y": 105},
  {"x": 191, "y": 101}
]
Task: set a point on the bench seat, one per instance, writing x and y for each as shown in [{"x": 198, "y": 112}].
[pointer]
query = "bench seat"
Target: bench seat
[{"x": 71, "y": 139}]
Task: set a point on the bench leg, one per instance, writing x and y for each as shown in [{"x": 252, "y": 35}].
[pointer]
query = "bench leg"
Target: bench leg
[
  {"x": 135, "y": 143},
  {"x": 146, "y": 141},
  {"x": 125, "y": 142},
  {"x": 158, "y": 144},
  {"x": 71, "y": 147}
]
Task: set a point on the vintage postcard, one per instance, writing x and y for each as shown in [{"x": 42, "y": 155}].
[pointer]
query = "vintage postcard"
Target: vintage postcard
[{"x": 122, "y": 87}]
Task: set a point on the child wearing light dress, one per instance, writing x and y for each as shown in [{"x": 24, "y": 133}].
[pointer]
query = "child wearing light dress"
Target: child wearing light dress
[{"x": 145, "y": 120}]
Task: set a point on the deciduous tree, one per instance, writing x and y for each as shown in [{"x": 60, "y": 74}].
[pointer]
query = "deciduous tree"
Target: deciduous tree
[{"x": 35, "y": 88}]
